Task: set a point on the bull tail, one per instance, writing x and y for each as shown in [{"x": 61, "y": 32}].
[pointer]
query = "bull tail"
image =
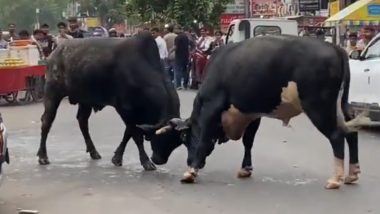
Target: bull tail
[{"x": 345, "y": 120}]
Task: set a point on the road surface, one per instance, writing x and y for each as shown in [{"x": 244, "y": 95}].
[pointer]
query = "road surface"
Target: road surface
[{"x": 291, "y": 167}]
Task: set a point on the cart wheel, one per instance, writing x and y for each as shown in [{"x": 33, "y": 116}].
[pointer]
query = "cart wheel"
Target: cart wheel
[{"x": 11, "y": 98}]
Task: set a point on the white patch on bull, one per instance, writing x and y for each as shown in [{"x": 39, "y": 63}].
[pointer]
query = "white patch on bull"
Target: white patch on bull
[{"x": 235, "y": 122}]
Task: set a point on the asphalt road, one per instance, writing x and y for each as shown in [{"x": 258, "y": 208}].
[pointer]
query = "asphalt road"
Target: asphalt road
[{"x": 291, "y": 167}]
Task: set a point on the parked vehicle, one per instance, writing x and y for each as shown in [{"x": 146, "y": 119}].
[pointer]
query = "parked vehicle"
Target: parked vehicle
[
  {"x": 365, "y": 80},
  {"x": 242, "y": 29},
  {"x": 4, "y": 155}
]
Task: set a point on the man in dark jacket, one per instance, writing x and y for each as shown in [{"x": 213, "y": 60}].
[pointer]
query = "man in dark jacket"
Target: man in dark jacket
[
  {"x": 74, "y": 30},
  {"x": 181, "y": 61}
]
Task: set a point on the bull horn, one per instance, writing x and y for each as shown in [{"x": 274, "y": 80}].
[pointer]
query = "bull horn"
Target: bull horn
[
  {"x": 164, "y": 129},
  {"x": 148, "y": 128}
]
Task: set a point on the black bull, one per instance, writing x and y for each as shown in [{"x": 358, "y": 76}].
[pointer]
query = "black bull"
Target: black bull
[
  {"x": 125, "y": 74},
  {"x": 278, "y": 77}
]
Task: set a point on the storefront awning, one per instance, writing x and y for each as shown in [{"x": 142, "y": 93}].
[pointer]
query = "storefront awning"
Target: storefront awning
[{"x": 362, "y": 12}]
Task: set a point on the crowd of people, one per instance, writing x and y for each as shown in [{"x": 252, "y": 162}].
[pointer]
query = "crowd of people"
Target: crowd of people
[
  {"x": 177, "y": 45},
  {"x": 358, "y": 40},
  {"x": 41, "y": 37}
]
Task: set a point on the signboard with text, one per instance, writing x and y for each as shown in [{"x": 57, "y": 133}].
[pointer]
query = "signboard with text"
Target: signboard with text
[
  {"x": 226, "y": 19},
  {"x": 309, "y": 5},
  {"x": 235, "y": 8}
]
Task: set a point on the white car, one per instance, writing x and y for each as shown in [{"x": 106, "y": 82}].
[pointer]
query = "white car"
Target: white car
[
  {"x": 365, "y": 80},
  {"x": 4, "y": 157}
]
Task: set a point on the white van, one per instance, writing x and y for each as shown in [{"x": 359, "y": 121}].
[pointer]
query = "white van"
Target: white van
[
  {"x": 242, "y": 29},
  {"x": 365, "y": 80}
]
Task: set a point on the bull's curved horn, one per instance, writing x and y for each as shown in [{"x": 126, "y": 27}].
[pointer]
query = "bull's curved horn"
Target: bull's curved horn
[
  {"x": 164, "y": 129},
  {"x": 179, "y": 124},
  {"x": 148, "y": 128}
]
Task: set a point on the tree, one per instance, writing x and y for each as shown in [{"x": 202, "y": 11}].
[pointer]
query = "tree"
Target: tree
[
  {"x": 183, "y": 12},
  {"x": 23, "y": 12}
]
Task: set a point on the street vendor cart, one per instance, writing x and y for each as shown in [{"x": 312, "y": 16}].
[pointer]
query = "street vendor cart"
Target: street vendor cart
[{"x": 20, "y": 72}]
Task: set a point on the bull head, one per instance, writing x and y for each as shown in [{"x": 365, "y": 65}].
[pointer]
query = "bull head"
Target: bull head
[{"x": 159, "y": 129}]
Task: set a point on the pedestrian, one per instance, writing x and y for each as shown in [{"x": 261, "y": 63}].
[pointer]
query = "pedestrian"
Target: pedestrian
[
  {"x": 181, "y": 60},
  {"x": 204, "y": 41},
  {"x": 161, "y": 44},
  {"x": 352, "y": 43},
  {"x": 74, "y": 29},
  {"x": 169, "y": 39},
  {"x": 47, "y": 42},
  {"x": 112, "y": 33},
  {"x": 23, "y": 35},
  {"x": 12, "y": 33},
  {"x": 3, "y": 43},
  {"x": 62, "y": 27},
  {"x": 37, "y": 39},
  {"x": 218, "y": 42},
  {"x": 368, "y": 34}
]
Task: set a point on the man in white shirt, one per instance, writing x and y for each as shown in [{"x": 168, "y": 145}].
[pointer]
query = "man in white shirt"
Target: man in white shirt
[
  {"x": 3, "y": 43},
  {"x": 161, "y": 44},
  {"x": 62, "y": 33}
]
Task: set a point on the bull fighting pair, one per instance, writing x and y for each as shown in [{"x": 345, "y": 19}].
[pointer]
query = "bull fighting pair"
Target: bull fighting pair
[{"x": 282, "y": 76}]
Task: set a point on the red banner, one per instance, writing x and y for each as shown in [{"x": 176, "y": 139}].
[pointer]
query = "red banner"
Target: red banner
[{"x": 226, "y": 19}]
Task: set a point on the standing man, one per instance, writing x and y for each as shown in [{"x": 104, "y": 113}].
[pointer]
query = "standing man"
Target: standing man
[
  {"x": 368, "y": 34},
  {"x": 62, "y": 27},
  {"x": 352, "y": 42},
  {"x": 74, "y": 30},
  {"x": 12, "y": 33},
  {"x": 162, "y": 48},
  {"x": 47, "y": 42},
  {"x": 169, "y": 39},
  {"x": 204, "y": 42},
  {"x": 181, "y": 60},
  {"x": 3, "y": 43}
]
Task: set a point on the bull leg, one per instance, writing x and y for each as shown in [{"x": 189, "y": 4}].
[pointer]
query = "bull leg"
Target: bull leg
[
  {"x": 352, "y": 141},
  {"x": 144, "y": 159},
  {"x": 248, "y": 139},
  {"x": 325, "y": 120},
  {"x": 83, "y": 114},
  {"x": 51, "y": 103},
  {"x": 211, "y": 113},
  {"x": 354, "y": 169},
  {"x": 117, "y": 159}
]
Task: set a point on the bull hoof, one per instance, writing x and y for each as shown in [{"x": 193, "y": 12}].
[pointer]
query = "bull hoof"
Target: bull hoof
[
  {"x": 189, "y": 177},
  {"x": 43, "y": 161},
  {"x": 244, "y": 173},
  {"x": 95, "y": 155},
  {"x": 117, "y": 160},
  {"x": 149, "y": 166},
  {"x": 351, "y": 179},
  {"x": 333, "y": 184}
]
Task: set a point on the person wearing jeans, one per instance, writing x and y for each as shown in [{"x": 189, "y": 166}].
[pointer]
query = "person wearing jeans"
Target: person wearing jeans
[{"x": 181, "y": 48}]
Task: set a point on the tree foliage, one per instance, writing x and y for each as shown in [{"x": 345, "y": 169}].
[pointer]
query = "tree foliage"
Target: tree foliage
[
  {"x": 183, "y": 12},
  {"x": 23, "y": 12}
]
